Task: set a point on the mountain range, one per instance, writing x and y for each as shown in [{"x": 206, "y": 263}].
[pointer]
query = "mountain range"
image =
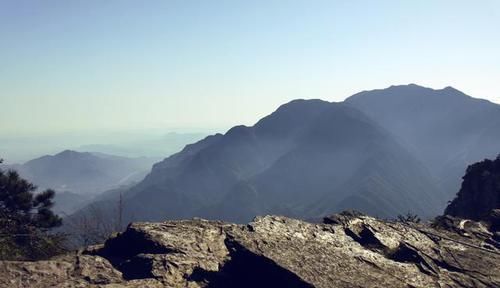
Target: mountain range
[
  {"x": 445, "y": 129},
  {"x": 384, "y": 152},
  {"x": 79, "y": 176}
]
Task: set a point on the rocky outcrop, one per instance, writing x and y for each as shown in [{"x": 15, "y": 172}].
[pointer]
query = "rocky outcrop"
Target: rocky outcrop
[
  {"x": 347, "y": 250},
  {"x": 479, "y": 194}
]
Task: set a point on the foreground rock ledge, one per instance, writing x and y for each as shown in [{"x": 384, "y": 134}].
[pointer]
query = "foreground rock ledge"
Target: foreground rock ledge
[{"x": 348, "y": 250}]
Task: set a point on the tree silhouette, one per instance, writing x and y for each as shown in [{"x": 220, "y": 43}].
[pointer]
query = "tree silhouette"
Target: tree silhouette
[
  {"x": 408, "y": 218},
  {"x": 26, "y": 219}
]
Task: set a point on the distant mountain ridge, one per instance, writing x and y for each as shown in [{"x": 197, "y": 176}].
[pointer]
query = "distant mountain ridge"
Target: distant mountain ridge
[
  {"x": 383, "y": 152},
  {"x": 131, "y": 144},
  {"x": 83, "y": 172},
  {"x": 79, "y": 176}
]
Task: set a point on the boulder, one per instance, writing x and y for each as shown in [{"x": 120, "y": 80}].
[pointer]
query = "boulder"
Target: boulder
[{"x": 349, "y": 250}]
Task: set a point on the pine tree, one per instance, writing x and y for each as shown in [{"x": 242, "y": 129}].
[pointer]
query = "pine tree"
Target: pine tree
[{"x": 26, "y": 219}]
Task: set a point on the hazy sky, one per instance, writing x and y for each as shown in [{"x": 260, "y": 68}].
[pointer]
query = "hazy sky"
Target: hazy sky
[{"x": 117, "y": 65}]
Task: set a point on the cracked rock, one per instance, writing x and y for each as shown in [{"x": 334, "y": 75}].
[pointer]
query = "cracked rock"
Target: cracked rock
[{"x": 348, "y": 250}]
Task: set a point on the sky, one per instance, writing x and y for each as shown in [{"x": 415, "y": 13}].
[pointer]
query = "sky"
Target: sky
[{"x": 93, "y": 65}]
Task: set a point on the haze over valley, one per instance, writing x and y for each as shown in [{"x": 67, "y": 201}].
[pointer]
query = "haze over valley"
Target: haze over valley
[{"x": 250, "y": 143}]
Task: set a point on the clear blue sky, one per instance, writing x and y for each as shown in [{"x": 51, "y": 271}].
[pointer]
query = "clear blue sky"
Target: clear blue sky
[{"x": 117, "y": 65}]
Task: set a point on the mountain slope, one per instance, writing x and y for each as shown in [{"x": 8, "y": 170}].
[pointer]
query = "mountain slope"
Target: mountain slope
[
  {"x": 446, "y": 129},
  {"x": 339, "y": 160},
  {"x": 305, "y": 159}
]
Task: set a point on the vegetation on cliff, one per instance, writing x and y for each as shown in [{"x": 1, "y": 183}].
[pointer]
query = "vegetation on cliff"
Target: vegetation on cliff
[{"x": 480, "y": 191}]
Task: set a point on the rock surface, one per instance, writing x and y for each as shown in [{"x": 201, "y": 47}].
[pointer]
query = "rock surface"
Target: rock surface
[
  {"x": 479, "y": 194},
  {"x": 347, "y": 250}
]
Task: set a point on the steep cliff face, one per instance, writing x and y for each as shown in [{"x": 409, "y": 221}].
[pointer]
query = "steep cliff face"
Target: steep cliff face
[
  {"x": 347, "y": 250},
  {"x": 480, "y": 191}
]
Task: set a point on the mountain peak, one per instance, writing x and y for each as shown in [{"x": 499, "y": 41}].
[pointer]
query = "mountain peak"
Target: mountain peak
[
  {"x": 68, "y": 152},
  {"x": 413, "y": 92},
  {"x": 410, "y": 85},
  {"x": 300, "y": 104},
  {"x": 288, "y": 117},
  {"x": 71, "y": 154},
  {"x": 450, "y": 88}
]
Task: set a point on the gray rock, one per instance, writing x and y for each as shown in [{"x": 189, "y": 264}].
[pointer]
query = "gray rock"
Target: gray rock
[{"x": 272, "y": 251}]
